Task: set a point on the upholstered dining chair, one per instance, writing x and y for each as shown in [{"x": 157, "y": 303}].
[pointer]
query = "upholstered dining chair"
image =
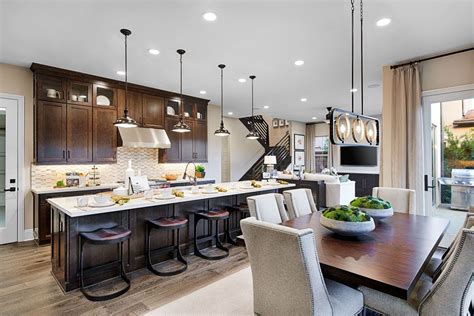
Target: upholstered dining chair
[
  {"x": 451, "y": 294},
  {"x": 287, "y": 278},
  {"x": 402, "y": 200},
  {"x": 299, "y": 202},
  {"x": 268, "y": 207}
]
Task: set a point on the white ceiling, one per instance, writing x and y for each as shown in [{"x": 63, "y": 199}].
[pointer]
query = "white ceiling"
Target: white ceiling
[{"x": 260, "y": 37}]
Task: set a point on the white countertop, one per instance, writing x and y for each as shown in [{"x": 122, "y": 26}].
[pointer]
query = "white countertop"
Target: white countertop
[
  {"x": 47, "y": 190},
  {"x": 68, "y": 205}
]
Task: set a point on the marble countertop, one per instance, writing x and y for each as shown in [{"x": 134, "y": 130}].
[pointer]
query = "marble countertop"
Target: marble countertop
[
  {"x": 46, "y": 190},
  {"x": 68, "y": 205}
]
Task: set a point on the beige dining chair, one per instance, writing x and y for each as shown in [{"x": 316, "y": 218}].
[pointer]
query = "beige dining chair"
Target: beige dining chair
[
  {"x": 299, "y": 202},
  {"x": 402, "y": 200},
  {"x": 268, "y": 207},
  {"x": 451, "y": 294},
  {"x": 287, "y": 278}
]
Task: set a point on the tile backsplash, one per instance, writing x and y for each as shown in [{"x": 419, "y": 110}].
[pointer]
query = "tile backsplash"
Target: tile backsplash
[{"x": 144, "y": 159}]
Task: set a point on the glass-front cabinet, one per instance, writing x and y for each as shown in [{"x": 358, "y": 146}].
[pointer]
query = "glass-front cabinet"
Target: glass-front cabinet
[
  {"x": 105, "y": 96},
  {"x": 188, "y": 110},
  {"x": 201, "y": 111},
  {"x": 79, "y": 93},
  {"x": 51, "y": 88},
  {"x": 172, "y": 107}
]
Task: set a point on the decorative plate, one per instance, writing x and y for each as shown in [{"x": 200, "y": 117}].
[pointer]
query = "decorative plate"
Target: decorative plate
[
  {"x": 170, "y": 110},
  {"x": 102, "y": 100},
  {"x": 94, "y": 204}
]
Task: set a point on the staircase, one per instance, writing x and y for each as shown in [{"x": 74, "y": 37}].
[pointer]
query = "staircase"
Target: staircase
[
  {"x": 282, "y": 152},
  {"x": 261, "y": 128}
]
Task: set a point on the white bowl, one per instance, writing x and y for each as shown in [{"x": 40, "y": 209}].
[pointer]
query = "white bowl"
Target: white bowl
[
  {"x": 347, "y": 228},
  {"x": 378, "y": 213},
  {"x": 101, "y": 199}
]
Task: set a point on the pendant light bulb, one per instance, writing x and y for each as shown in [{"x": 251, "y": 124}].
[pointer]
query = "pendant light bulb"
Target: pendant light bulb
[
  {"x": 253, "y": 133},
  {"x": 125, "y": 121},
  {"x": 222, "y": 131},
  {"x": 181, "y": 126}
]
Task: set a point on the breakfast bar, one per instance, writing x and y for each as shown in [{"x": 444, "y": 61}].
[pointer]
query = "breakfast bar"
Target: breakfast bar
[{"x": 68, "y": 221}]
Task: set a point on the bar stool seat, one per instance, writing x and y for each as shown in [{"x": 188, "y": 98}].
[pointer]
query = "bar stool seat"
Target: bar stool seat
[
  {"x": 173, "y": 223},
  {"x": 104, "y": 236},
  {"x": 214, "y": 215},
  {"x": 242, "y": 211}
]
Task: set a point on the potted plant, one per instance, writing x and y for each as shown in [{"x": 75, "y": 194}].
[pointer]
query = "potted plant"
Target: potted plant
[
  {"x": 200, "y": 171},
  {"x": 374, "y": 206},
  {"x": 347, "y": 220}
]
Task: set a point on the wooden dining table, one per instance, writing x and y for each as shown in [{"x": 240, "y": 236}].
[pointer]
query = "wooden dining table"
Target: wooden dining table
[{"x": 390, "y": 259}]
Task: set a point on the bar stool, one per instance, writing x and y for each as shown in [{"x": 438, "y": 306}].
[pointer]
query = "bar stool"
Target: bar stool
[
  {"x": 168, "y": 223},
  {"x": 242, "y": 211},
  {"x": 104, "y": 236},
  {"x": 211, "y": 216}
]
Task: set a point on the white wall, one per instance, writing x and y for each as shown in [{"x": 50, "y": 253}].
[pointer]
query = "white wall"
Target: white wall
[{"x": 214, "y": 144}]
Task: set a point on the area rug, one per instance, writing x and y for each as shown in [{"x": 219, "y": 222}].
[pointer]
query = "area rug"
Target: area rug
[{"x": 232, "y": 295}]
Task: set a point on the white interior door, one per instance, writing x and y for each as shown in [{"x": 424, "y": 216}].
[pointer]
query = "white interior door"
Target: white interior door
[
  {"x": 432, "y": 105},
  {"x": 8, "y": 170}
]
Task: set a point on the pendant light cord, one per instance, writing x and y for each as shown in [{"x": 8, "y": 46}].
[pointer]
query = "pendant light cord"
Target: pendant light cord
[
  {"x": 361, "y": 60},
  {"x": 253, "y": 117},
  {"x": 126, "y": 78},
  {"x": 352, "y": 57},
  {"x": 181, "y": 86},
  {"x": 222, "y": 95}
]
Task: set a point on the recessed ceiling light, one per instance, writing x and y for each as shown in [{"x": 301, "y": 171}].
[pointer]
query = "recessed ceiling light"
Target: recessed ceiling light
[
  {"x": 266, "y": 107},
  {"x": 383, "y": 22},
  {"x": 242, "y": 80},
  {"x": 314, "y": 117},
  {"x": 121, "y": 73},
  {"x": 153, "y": 51},
  {"x": 353, "y": 90},
  {"x": 299, "y": 63},
  {"x": 304, "y": 99},
  {"x": 202, "y": 92},
  {"x": 209, "y": 16},
  {"x": 230, "y": 113}
]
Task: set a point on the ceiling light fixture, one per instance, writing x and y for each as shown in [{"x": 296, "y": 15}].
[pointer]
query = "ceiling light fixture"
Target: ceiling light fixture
[
  {"x": 153, "y": 51},
  {"x": 353, "y": 90},
  {"x": 253, "y": 133},
  {"x": 209, "y": 16},
  {"x": 304, "y": 99},
  {"x": 230, "y": 113},
  {"x": 314, "y": 118},
  {"x": 242, "y": 80},
  {"x": 222, "y": 131},
  {"x": 299, "y": 63},
  {"x": 120, "y": 72},
  {"x": 181, "y": 126},
  {"x": 202, "y": 92},
  {"x": 383, "y": 22},
  {"x": 125, "y": 121},
  {"x": 266, "y": 107}
]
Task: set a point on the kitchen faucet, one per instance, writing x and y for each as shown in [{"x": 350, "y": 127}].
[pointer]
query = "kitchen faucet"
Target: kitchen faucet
[{"x": 193, "y": 178}]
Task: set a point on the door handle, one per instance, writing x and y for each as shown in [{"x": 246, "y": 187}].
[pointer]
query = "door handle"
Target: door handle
[
  {"x": 12, "y": 189},
  {"x": 426, "y": 183}
]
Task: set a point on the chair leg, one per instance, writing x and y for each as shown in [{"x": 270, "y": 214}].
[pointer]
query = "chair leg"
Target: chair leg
[
  {"x": 219, "y": 245},
  {"x": 179, "y": 258},
  {"x": 228, "y": 237}
]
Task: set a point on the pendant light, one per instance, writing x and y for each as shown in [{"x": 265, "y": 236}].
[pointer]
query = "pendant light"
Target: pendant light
[
  {"x": 253, "y": 133},
  {"x": 222, "y": 131},
  {"x": 181, "y": 126},
  {"x": 125, "y": 121}
]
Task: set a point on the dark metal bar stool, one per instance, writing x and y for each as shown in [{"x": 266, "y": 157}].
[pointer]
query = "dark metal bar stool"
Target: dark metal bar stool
[
  {"x": 104, "y": 236},
  {"x": 211, "y": 216},
  {"x": 169, "y": 223},
  {"x": 242, "y": 211}
]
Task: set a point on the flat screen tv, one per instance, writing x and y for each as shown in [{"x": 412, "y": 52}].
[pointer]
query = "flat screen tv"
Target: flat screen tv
[{"x": 358, "y": 156}]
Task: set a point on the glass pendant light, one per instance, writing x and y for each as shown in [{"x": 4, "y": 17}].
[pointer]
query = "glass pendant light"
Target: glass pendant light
[
  {"x": 343, "y": 127},
  {"x": 358, "y": 129},
  {"x": 253, "y": 133},
  {"x": 125, "y": 121},
  {"x": 222, "y": 131},
  {"x": 181, "y": 126}
]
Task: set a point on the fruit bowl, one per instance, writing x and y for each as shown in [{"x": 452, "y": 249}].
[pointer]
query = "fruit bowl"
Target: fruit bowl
[
  {"x": 347, "y": 220},
  {"x": 374, "y": 206}
]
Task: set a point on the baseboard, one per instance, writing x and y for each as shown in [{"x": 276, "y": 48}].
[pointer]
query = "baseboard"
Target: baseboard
[{"x": 28, "y": 234}]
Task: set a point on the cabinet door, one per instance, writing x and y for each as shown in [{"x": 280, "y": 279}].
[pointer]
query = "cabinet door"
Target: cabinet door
[
  {"x": 187, "y": 147},
  {"x": 104, "y": 96},
  {"x": 79, "y": 133},
  {"x": 200, "y": 141},
  {"x": 104, "y": 135},
  {"x": 51, "y": 88},
  {"x": 153, "y": 111},
  {"x": 172, "y": 154},
  {"x": 51, "y": 132},
  {"x": 79, "y": 93},
  {"x": 135, "y": 105}
]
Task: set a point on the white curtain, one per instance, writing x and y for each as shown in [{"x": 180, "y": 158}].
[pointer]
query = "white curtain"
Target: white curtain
[
  {"x": 406, "y": 138},
  {"x": 309, "y": 148}
]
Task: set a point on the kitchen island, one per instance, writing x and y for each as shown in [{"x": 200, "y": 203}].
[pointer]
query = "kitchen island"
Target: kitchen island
[{"x": 68, "y": 221}]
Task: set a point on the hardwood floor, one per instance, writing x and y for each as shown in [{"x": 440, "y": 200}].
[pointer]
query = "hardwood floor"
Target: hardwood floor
[{"x": 27, "y": 286}]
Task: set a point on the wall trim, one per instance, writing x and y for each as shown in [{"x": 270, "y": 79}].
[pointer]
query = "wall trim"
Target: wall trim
[
  {"x": 447, "y": 90},
  {"x": 28, "y": 235}
]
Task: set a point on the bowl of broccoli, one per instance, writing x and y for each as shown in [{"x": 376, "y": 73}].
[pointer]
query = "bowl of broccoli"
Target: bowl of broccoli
[
  {"x": 347, "y": 220},
  {"x": 374, "y": 206}
]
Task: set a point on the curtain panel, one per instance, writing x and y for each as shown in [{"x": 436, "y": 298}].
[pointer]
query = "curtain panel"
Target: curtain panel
[{"x": 309, "y": 148}]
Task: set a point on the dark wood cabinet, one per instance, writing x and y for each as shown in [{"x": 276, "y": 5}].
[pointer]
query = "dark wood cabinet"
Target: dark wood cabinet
[
  {"x": 51, "y": 88},
  {"x": 104, "y": 135},
  {"x": 364, "y": 182},
  {"x": 172, "y": 154},
  {"x": 51, "y": 132},
  {"x": 104, "y": 95},
  {"x": 79, "y": 133},
  {"x": 79, "y": 93},
  {"x": 187, "y": 143},
  {"x": 200, "y": 141},
  {"x": 153, "y": 111}
]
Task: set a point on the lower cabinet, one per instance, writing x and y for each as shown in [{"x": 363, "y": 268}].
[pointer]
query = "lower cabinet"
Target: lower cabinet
[{"x": 364, "y": 183}]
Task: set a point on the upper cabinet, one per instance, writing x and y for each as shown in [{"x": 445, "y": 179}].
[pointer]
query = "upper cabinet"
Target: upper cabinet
[{"x": 74, "y": 115}]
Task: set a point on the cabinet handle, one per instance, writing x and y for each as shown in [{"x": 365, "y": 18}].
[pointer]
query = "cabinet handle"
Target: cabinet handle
[
  {"x": 64, "y": 154},
  {"x": 68, "y": 154}
]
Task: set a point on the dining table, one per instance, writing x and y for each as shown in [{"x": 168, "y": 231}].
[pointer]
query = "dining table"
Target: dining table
[{"x": 390, "y": 259}]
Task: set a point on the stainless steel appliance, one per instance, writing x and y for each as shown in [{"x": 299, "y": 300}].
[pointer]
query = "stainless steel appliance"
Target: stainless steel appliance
[{"x": 462, "y": 188}]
